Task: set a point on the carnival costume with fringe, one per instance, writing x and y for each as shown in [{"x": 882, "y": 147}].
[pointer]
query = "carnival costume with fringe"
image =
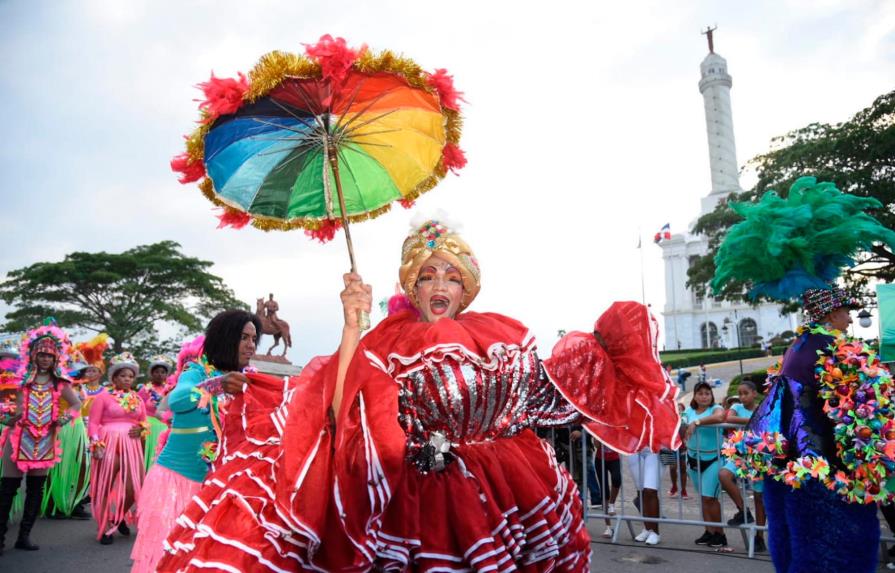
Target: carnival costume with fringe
[
  {"x": 432, "y": 463},
  {"x": 30, "y": 442},
  {"x": 184, "y": 459},
  {"x": 118, "y": 457},
  {"x": 823, "y": 439},
  {"x": 68, "y": 482}
]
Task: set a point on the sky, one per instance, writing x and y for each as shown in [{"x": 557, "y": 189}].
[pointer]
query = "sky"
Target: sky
[{"x": 584, "y": 128}]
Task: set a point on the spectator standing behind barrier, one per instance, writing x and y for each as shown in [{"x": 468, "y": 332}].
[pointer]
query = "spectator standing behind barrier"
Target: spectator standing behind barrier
[
  {"x": 703, "y": 375},
  {"x": 682, "y": 376},
  {"x": 703, "y": 458},
  {"x": 676, "y": 462},
  {"x": 608, "y": 465},
  {"x": 644, "y": 467},
  {"x": 740, "y": 413},
  {"x": 592, "y": 486}
]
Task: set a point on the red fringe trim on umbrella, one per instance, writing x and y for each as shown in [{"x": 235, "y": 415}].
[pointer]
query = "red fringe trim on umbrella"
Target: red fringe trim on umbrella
[
  {"x": 326, "y": 231},
  {"x": 334, "y": 56},
  {"x": 443, "y": 83},
  {"x": 407, "y": 203},
  {"x": 453, "y": 157},
  {"x": 222, "y": 95},
  {"x": 233, "y": 218},
  {"x": 190, "y": 171}
]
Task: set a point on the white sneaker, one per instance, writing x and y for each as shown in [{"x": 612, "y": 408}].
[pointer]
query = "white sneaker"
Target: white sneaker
[
  {"x": 642, "y": 536},
  {"x": 610, "y": 509},
  {"x": 608, "y": 533},
  {"x": 653, "y": 538}
]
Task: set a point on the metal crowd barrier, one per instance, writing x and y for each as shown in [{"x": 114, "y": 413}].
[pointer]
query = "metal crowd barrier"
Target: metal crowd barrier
[{"x": 671, "y": 511}]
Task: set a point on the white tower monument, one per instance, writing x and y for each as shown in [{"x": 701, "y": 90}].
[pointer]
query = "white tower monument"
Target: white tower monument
[
  {"x": 697, "y": 322},
  {"x": 714, "y": 85}
]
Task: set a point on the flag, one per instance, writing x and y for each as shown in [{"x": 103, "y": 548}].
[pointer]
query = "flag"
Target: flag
[{"x": 664, "y": 234}]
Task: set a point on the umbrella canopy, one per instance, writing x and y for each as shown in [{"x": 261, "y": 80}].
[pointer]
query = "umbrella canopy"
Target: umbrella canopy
[{"x": 277, "y": 148}]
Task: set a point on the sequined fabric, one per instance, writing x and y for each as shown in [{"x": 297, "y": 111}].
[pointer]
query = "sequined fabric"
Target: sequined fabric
[{"x": 469, "y": 401}]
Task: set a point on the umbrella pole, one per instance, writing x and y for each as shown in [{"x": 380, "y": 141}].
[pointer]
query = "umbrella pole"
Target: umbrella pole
[{"x": 363, "y": 317}]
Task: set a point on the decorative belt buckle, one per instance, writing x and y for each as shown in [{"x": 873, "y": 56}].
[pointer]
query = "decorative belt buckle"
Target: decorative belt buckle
[{"x": 435, "y": 454}]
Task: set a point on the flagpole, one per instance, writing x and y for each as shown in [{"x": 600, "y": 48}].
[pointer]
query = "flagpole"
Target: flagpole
[
  {"x": 677, "y": 340},
  {"x": 642, "y": 282}
]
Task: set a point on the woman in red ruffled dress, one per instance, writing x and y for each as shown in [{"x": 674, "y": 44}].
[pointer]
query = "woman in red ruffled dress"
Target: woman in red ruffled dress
[{"x": 412, "y": 449}]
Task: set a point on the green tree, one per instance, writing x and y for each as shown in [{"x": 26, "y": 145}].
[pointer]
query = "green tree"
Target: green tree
[
  {"x": 858, "y": 155},
  {"x": 124, "y": 294}
]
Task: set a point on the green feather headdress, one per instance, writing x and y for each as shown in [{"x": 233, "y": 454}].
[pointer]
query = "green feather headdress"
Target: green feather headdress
[{"x": 787, "y": 246}]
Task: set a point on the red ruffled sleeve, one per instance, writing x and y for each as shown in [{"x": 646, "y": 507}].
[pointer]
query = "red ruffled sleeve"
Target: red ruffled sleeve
[{"x": 618, "y": 383}]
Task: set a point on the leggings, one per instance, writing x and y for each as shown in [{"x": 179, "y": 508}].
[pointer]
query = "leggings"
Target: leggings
[{"x": 611, "y": 471}]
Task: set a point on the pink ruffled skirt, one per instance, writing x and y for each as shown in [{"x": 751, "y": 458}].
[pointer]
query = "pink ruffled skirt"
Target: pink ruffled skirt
[
  {"x": 120, "y": 469},
  {"x": 166, "y": 494}
]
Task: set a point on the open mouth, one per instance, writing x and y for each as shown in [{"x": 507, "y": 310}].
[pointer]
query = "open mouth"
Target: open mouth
[{"x": 439, "y": 305}]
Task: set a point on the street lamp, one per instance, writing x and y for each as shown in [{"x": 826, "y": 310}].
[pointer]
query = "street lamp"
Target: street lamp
[
  {"x": 725, "y": 329},
  {"x": 864, "y": 319}
]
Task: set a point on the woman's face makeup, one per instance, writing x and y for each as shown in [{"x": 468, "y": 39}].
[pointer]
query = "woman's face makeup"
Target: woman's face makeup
[{"x": 439, "y": 289}]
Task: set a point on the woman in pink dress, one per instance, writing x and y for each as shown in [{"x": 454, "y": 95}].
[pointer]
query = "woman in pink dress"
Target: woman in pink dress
[{"x": 117, "y": 425}]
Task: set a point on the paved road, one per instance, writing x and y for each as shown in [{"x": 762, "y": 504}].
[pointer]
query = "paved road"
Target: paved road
[{"x": 70, "y": 546}]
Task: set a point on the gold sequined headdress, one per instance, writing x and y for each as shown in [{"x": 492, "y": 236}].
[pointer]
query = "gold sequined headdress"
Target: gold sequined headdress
[{"x": 431, "y": 238}]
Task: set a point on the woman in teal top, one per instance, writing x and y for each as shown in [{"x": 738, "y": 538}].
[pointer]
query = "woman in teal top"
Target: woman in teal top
[
  {"x": 229, "y": 343},
  {"x": 703, "y": 458},
  {"x": 191, "y": 426}
]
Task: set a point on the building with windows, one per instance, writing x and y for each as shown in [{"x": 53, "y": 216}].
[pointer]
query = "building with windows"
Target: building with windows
[{"x": 692, "y": 321}]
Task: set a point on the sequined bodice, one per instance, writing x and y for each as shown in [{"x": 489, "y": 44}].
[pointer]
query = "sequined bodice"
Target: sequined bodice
[{"x": 471, "y": 399}]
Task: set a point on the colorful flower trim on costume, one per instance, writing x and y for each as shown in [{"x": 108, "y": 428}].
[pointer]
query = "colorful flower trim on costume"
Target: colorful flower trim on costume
[
  {"x": 209, "y": 452},
  {"x": 817, "y": 328},
  {"x": 127, "y": 399},
  {"x": 205, "y": 395},
  {"x": 858, "y": 395}
]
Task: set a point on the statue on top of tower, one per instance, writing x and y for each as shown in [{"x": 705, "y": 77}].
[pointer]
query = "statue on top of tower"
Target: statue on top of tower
[{"x": 709, "y": 31}]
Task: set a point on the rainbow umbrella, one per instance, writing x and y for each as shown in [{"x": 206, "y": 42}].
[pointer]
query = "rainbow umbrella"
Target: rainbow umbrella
[{"x": 317, "y": 141}]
